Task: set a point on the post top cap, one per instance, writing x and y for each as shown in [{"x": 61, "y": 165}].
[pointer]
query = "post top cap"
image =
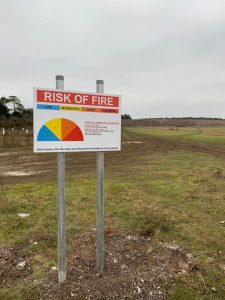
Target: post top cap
[
  {"x": 99, "y": 81},
  {"x": 59, "y": 77}
]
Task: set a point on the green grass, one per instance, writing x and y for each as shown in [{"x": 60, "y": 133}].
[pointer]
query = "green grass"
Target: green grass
[
  {"x": 174, "y": 196},
  {"x": 205, "y": 135}
]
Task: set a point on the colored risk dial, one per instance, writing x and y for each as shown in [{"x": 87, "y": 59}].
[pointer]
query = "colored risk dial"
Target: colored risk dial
[{"x": 60, "y": 130}]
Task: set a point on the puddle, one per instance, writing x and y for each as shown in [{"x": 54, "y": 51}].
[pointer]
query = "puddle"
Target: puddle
[
  {"x": 21, "y": 173},
  {"x": 28, "y": 157},
  {"x": 8, "y": 153},
  {"x": 132, "y": 142},
  {"x": 17, "y": 173}
]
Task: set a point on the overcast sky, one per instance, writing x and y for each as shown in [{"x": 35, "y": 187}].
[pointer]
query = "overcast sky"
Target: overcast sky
[{"x": 165, "y": 57}]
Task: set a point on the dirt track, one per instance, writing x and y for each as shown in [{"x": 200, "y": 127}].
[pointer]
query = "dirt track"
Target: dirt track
[{"x": 22, "y": 164}]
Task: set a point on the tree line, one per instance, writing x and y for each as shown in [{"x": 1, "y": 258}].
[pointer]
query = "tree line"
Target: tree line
[{"x": 13, "y": 113}]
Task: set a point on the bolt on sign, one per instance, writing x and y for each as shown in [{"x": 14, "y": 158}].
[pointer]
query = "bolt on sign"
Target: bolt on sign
[{"x": 70, "y": 121}]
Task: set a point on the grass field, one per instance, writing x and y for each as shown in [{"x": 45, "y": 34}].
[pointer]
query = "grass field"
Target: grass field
[
  {"x": 166, "y": 184},
  {"x": 205, "y": 135}
]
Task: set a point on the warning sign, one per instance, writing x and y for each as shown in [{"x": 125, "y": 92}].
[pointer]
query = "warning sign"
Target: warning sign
[{"x": 66, "y": 121}]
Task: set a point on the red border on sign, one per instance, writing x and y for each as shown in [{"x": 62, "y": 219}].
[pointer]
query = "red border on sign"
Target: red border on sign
[{"x": 76, "y": 98}]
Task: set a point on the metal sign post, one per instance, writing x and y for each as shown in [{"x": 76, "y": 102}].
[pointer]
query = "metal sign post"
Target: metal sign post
[
  {"x": 74, "y": 121},
  {"x": 100, "y": 198},
  {"x": 61, "y": 203}
]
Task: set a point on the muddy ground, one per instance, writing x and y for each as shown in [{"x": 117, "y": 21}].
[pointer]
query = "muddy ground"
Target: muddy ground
[{"x": 23, "y": 165}]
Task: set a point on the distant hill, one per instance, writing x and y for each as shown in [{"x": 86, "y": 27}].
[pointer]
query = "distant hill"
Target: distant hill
[{"x": 176, "y": 122}]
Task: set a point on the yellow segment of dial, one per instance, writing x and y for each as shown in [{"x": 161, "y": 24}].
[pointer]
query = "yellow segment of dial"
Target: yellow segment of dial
[{"x": 55, "y": 127}]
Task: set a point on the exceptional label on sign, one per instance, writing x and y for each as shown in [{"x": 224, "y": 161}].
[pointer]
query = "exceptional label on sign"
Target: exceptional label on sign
[{"x": 66, "y": 121}]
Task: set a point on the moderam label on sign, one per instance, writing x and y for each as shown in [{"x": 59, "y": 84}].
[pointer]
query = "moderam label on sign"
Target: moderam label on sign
[{"x": 68, "y": 121}]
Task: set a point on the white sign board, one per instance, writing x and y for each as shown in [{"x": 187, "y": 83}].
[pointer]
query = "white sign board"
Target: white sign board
[{"x": 70, "y": 121}]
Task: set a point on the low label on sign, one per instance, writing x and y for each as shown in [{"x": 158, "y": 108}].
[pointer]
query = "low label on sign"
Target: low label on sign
[{"x": 70, "y": 121}]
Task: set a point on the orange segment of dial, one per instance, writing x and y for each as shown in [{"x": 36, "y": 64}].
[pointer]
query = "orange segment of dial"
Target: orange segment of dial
[{"x": 67, "y": 127}]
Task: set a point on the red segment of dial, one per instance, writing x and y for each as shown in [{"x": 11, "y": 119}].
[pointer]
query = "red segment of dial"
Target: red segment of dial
[{"x": 74, "y": 135}]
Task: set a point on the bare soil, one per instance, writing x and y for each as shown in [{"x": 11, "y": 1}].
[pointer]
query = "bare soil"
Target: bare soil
[
  {"x": 135, "y": 268},
  {"x": 14, "y": 266}
]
